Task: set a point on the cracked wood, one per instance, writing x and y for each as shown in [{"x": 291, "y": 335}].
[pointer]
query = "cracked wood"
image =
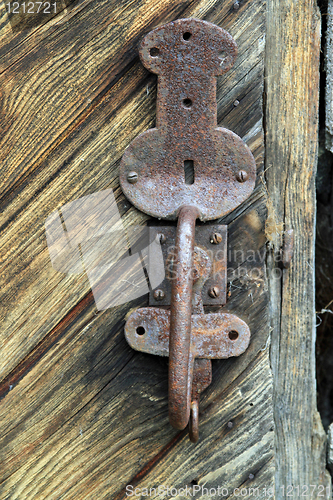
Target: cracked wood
[{"x": 92, "y": 413}]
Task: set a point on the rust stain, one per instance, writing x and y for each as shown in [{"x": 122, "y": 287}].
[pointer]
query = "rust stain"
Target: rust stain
[
  {"x": 187, "y": 55},
  {"x": 188, "y": 168}
]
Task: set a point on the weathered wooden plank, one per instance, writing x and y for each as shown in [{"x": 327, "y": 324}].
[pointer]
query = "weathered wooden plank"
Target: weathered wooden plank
[
  {"x": 86, "y": 161},
  {"x": 15, "y": 42},
  {"x": 292, "y": 75},
  {"x": 93, "y": 402},
  {"x": 236, "y": 449},
  {"x": 329, "y": 78},
  {"x": 61, "y": 89},
  {"x": 93, "y": 414},
  {"x": 20, "y": 28},
  {"x": 91, "y": 454},
  {"x": 68, "y": 399}
]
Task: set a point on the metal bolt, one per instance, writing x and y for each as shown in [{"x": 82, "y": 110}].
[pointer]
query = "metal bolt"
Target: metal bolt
[
  {"x": 236, "y": 5},
  {"x": 162, "y": 238},
  {"x": 236, "y": 103},
  {"x": 159, "y": 294},
  {"x": 230, "y": 425},
  {"x": 251, "y": 476},
  {"x": 214, "y": 292},
  {"x": 132, "y": 177},
  {"x": 216, "y": 238},
  {"x": 242, "y": 176}
]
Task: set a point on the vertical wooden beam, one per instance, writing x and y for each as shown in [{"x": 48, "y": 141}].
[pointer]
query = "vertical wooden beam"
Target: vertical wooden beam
[
  {"x": 292, "y": 97},
  {"x": 329, "y": 78}
]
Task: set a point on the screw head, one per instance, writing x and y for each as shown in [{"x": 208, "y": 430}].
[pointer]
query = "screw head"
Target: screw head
[
  {"x": 214, "y": 292},
  {"x": 251, "y": 476},
  {"x": 230, "y": 425},
  {"x": 162, "y": 238},
  {"x": 216, "y": 238},
  {"x": 236, "y": 103},
  {"x": 132, "y": 177},
  {"x": 159, "y": 294},
  {"x": 236, "y": 5},
  {"x": 242, "y": 176}
]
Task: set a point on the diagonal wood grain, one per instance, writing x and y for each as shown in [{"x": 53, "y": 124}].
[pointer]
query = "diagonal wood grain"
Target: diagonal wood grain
[
  {"x": 93, "y": 413},
  {"x": 60, "y": 76},
  {"x": 85, "y": 162}
]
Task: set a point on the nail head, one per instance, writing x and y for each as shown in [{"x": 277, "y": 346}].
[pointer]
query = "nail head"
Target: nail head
[
  {"x": 159, "y": 294},
  {"x": 216, "y": 238},
  {"x": 214, "y": 292},
  {"x": 132, "y": 177},
  {"x": 242, "y": 176}
]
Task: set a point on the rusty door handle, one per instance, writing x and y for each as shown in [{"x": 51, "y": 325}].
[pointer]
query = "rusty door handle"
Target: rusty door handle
[
  {"x": 188, "y": 168},
  {"x": 180, "y": 356}
]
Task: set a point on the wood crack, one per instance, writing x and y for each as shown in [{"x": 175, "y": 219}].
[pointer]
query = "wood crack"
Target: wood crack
[
  {"x": 16, "y": 188},
  {"x": 152, "y": 463},
  {"x": 45, "y": 344}
]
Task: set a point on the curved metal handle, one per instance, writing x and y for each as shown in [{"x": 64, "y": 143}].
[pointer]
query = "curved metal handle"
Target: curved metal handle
[
  {"x": 180, "y": 358},
  {"x": 153, "y": 178}
]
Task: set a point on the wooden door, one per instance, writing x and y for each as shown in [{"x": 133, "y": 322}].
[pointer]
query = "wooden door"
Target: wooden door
[{"x": 83, "y": 416}]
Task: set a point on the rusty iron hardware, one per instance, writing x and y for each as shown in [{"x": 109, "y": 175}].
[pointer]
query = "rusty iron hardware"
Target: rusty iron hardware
[
  {"x": 205, "y": 238},
  {"x": 188, "y": 168}
]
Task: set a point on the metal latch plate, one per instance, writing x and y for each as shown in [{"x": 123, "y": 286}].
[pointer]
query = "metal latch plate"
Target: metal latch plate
[
  {"x": 213, "y": 240},
  {"x": 214, "y": 336}
]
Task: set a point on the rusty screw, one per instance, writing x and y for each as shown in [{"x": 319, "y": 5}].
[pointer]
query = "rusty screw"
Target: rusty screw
[
  {"x": 162, "y": 238},
  {"x": 159, "y": 294},
  {"x": 216, "y": 238},
  {"x": 214, "y": 292},
  {"x": 242, "y": 176},
  {"x": 132, "y": 177},
  {"x": 236, "y": 5}
]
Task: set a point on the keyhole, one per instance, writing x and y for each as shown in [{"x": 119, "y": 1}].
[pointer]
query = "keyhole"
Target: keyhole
[{"x": 189, "y": 171}]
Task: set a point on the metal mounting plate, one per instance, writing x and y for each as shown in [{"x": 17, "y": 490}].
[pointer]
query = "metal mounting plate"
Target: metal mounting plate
[
  {"x": 187, "y": 168},
  {"x": 187, "y": 55},
  {"x": 213, "y": 336},
  {"x": 216, "y": 252}
]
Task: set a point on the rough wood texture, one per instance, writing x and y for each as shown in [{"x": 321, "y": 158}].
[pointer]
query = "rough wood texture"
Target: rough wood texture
[
  {"x": 292, "y": 77},
  {"x": 329, "y": 78},
  {"x": 81, "y": 414}
]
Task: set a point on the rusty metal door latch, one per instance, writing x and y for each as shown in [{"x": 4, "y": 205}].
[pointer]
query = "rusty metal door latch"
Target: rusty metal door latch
[{"x": 187, "y": 168}]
